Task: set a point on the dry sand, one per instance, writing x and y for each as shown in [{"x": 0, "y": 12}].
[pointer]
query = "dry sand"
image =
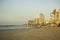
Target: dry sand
[{"x": 45, "y": 33}]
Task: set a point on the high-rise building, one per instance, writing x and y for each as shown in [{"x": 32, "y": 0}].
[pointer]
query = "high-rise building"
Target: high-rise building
[
  {"x": 41, "y": 18},
  {"x": 36, "y": 21},
  {"x": 59, "y": 14},
  {"x": 52, "y": 16},
  {"x": 55, "y": 16},
  {"x": 30, "y": 22}
]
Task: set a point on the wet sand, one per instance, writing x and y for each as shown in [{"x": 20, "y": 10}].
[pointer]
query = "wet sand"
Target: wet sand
[{"x": 45, "y": 33}]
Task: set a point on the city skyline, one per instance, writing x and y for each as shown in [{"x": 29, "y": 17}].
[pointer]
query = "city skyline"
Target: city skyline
[
  {"x": 42, "y": 21},
  {"x": 19, "y": 11}
]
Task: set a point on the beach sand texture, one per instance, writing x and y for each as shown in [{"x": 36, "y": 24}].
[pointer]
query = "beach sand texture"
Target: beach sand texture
[{"x": 45, "y": 33}]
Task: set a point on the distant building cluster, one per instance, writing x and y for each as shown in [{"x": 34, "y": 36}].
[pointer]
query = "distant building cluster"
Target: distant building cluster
[{"x": 41, "y": 20}]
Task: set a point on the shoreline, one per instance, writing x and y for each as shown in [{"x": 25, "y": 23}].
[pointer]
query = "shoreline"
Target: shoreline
[{"x": 47, "y": 33}]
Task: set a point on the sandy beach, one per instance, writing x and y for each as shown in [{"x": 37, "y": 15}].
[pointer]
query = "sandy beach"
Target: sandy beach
[{"x": 45, "y": 33}]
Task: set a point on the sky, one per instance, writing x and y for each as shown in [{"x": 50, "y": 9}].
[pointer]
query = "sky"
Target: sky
[{"x": 16, "y": 12}]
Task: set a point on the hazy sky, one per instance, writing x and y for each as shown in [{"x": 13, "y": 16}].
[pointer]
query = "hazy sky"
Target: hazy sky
[{"x": 20, "y": 11}]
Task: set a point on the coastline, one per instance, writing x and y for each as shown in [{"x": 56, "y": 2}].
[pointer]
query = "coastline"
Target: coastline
[{"x": 48, "y": 33}]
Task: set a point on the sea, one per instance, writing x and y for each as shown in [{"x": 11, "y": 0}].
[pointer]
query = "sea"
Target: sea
[{"x": 12, "y": 27}]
